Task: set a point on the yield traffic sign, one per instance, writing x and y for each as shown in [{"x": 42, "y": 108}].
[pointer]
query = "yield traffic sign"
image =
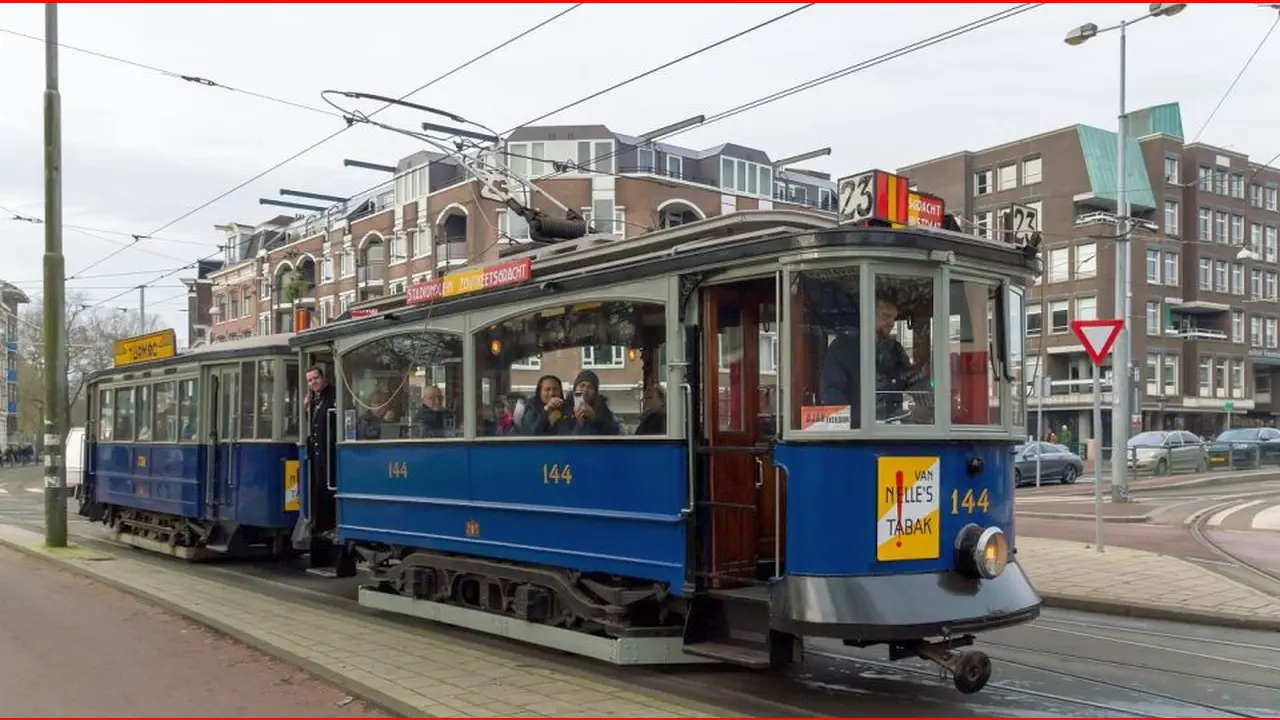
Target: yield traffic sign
[{"x": 1097, "y": 336}]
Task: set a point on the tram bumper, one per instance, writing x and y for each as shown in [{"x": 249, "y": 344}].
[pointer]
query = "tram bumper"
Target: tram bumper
[{"x": 901, "y": 608}]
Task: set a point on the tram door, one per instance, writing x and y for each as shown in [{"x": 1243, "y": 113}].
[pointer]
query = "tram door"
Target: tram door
[
  {"x": 742, "y": 501},
  {"x": 222, "y": 405}
]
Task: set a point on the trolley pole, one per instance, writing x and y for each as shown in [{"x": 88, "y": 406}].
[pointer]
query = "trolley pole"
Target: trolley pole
[{"x": 55, "y": 328}]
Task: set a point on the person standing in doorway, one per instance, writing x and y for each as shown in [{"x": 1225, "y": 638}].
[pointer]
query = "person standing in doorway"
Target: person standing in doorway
[{"x": 320, "y": 445}]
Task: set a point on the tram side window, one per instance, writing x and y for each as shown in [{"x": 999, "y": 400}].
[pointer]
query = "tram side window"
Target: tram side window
[
  {"x": 975, "y": 390},
  {"x": 586, "y": 369},
  {"x": 825, "y": 360},
  {"x": 266, "y": 397},
  {"x": 106, "y": 416},
  {"x": 403, "y": 387},
  {"x": 165, "y": 428},
  {"x": 142, "y": 412},
  {"x": 188, "y": 410},
  {"x": 292, "y": 394},
  {"x": 123, "y": 421},
  {"x": 257, "y": 393}
]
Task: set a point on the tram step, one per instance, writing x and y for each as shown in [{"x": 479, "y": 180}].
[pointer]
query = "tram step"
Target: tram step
[
  {"x": 324, "y": 572},
  {"x": 221, "y": 548},
  {"x": 749, "y": 657}
]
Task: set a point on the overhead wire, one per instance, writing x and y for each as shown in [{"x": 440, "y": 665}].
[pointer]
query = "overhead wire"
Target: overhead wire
[
  {"x": 331, "y": 136},
  {"x": 1262, "y": 43},
  {"x": 193, "y": 79}
]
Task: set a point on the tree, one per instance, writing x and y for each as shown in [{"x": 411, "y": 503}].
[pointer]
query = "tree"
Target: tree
[{"x": 91, "y": 336}]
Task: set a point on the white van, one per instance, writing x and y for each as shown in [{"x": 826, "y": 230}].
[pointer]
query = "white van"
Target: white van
[{"x": 75, "y": 461}]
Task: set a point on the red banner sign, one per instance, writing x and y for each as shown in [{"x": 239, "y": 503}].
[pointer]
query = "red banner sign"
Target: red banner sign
[{"x": 465, "y": 282}]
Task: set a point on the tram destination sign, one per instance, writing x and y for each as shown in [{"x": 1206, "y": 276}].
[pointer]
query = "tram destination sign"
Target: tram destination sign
[
  {"x": 465, "y": 282},
  {"x": 908, "y": 508},
  {"x": 881, "y": 196},
  {"x": 144, "y": 348}
]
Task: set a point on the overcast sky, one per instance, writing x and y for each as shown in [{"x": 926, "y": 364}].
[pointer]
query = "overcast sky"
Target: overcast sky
[{"x": 141, "y": 148}]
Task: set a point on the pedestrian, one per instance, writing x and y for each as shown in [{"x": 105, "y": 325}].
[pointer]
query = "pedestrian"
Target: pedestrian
[{"x": 1053, "y": 437}]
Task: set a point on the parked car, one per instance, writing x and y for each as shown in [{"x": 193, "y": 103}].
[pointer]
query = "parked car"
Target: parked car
[
  {"x": 1057, "y": 463},
  {"x": 1245, "y": 448},
  {"x": 1164, "y": 451}
]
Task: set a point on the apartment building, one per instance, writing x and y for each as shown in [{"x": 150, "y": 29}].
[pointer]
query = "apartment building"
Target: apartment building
[
  {"x": 431, "y": 216},
  {"x": 11, "y": 301},
  {"x": 1204, "y": 260},
  {"x": 200, "y": 301}
]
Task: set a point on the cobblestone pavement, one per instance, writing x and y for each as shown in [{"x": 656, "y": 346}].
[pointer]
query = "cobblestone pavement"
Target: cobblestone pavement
[
  {"x": 74, "y": 647},
  {"x": 413, "y": 672},
  {"x": 1126, "y": 581}
]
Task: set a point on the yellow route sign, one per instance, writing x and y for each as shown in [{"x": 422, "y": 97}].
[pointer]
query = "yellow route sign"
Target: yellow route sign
[
  {"x": 907, "y": 508},
  {"x": 144, "y": 348}
]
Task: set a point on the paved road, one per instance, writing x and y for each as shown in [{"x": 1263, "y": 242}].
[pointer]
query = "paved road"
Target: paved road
[
  {"x": 1067, "y": 664},
  {"x": 72, "y": 647}
]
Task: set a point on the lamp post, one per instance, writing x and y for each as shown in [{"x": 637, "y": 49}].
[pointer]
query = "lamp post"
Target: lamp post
[{"x": 1123, "y": 375}]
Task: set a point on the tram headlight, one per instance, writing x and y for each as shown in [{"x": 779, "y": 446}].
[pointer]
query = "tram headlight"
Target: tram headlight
[{"x": 982, "y": 552}]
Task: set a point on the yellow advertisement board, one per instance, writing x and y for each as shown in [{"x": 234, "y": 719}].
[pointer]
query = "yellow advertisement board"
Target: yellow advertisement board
[{"x": 145, "y": 348}]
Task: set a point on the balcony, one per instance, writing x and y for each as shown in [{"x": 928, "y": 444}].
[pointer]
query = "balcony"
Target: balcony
[
  {"x": 664, "y": 172},
  {"x": 451, "y": 252},
  {"x": 1102, "y": 217}
]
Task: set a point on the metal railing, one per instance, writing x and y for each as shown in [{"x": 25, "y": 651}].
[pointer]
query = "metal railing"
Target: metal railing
[{"x": 1193, "y": 459}]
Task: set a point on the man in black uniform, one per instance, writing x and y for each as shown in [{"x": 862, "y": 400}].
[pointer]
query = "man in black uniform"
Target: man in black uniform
[
  {"x": 320, "y": 452},
  {"x": 840, "y": 381}
]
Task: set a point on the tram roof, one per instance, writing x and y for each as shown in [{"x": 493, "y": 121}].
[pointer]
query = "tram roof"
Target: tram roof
[
  {"x": 600, "y": 260},
  {"x": 256, "y": 345}
]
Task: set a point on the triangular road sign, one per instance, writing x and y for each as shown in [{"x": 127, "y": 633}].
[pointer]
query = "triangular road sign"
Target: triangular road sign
[{"x": 1097, "y": 336}]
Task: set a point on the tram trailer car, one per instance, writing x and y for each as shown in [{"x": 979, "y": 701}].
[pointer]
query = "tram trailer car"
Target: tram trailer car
[
  {"x": 761, "y": 511},
  {"x": 195, "y": 455}
]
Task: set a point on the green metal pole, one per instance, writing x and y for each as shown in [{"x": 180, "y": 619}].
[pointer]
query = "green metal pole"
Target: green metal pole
[{"x": 55, "y": 328}]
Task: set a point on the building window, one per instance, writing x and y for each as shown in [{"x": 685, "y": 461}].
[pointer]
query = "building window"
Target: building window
[
  {"x": 1219, "y": 227},
  {"x": 595, "y": 156},
  {"x": 1170, "y": 374},
  {"x": 644, "y": 162},
  {"x": 1269, "y": 244},
  {"x": 1031, "y": 171},
  {"x": 1270, "y": 195},
  {"x": 1035, "y": 320},
  {"x": 1204, "y": 380},
  {"x": 1171, "y": 169},
  {"x": 1058, "y": 265},
  {"x": 1153, "y": 373},
  {"x": 1220, "y": 373},
  {"x": 675, "y": 166},
  {"x": 1170, "y": 268},
  {"x": 518, "y": 159},
  {"x": 604, "y": 356},
  {"x": 1171, "y": 217},
  {"x": 220, "y": 303},
  {"x": 1220, "y": 276},
  {"x": 1270, "y": 332},
  {"x": 982, "y": 182},
  {"x": 1087, "y": 308},
  {"x": 1270, "y": 287},
  {"x": 1237, "y": 279},
  {"x": 1205, "y": 278},
  {"x": 398, "y": 248},
  {"x": 1237, "y": 326},
  {"x": 1255, "y": 238},
  {"x": 1255, "y": 330},
  {"x": 1237, "y": 185},
  {"x": 982, "y": 224},
  {"x": 326, "y": 269},
  {"x": 1237, "y": 379},
  {"x": 533, "y": 362},
  {"x": 1058, "y": 315},
  {"x": 1153, "y": 266},
  {"x": 1086, "y": 260},
  {"x": 1255, "y": 195},
  {"x": 1205, "y": 175},
  {"x": 1255, "y": 284},
  {"x": 513, "y": 226},
  {"x": 1220, "y": 181},
  {"x": 1007, "y": 177},
  {"x": 1204, "y": 218},
  {"x": 1153, "y": 317},
  {"x": 1237, "y": 229},
  {"x": 348, "y": 261},
  {"x": 246, "y": 306}
]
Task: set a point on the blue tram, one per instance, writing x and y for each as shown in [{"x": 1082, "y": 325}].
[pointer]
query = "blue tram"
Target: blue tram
[
  {"x": 705, "y": 444},
  {"x": 195, "y": 455}
]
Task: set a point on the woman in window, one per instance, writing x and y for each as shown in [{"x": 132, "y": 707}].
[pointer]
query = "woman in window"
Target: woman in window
[{"x": 546, "y": 414}]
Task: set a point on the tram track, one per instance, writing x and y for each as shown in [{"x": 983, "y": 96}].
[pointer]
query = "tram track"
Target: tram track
[{"x": 1199, "y": 532}]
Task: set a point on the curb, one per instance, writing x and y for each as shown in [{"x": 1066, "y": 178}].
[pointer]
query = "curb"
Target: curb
[
  {"x": 1129, "y": 519},
  {"x": 355, "y": 688},
  {"x": 1155, "y": 612}
]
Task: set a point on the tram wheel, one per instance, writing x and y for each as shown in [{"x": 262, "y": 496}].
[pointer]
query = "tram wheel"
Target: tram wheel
[{"x": 972, "y": 671}]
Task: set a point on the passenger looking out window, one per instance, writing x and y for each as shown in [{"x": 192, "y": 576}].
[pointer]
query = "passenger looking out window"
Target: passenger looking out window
[
  {"x": 654, "y": 419},
  {"x": 432, "y": 420},
  {"x": 546, "y": 416},
  {"x": 591, "y": 413}
]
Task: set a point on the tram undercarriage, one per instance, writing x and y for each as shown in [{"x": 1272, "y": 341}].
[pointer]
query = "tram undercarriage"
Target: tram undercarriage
[{"x": 188, "y": 538}]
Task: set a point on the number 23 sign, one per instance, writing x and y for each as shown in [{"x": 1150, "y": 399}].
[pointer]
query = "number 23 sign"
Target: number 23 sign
[{"x": 874, "y": 195}]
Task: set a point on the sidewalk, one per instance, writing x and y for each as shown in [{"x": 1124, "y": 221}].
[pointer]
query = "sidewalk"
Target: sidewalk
[
  {"x": 408, "y": 670},
  {"x": 1122, "y": 581}
]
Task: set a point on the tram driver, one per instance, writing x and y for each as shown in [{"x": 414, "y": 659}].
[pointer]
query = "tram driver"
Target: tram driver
[{"x": 895, "y": 373}]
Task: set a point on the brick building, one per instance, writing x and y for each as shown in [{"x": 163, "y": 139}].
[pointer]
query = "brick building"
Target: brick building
[
  {"x": 1204, "y": 261},
  {"x": 11, "y": 301},
  {"x": 431, "y": 216}
]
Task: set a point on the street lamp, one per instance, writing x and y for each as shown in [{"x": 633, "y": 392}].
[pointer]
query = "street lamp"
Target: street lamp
[{"x": 1123, "y": 388}]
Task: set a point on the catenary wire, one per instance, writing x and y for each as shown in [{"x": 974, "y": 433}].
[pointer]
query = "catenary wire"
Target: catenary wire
[
  {"x": 194, "y": 79},
  {"x": 340, "y": 131},
  {"x": 1239, "y": 75}
]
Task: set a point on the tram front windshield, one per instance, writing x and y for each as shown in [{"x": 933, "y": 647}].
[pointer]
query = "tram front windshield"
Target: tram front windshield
[{"x": 830, "y": 384}]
